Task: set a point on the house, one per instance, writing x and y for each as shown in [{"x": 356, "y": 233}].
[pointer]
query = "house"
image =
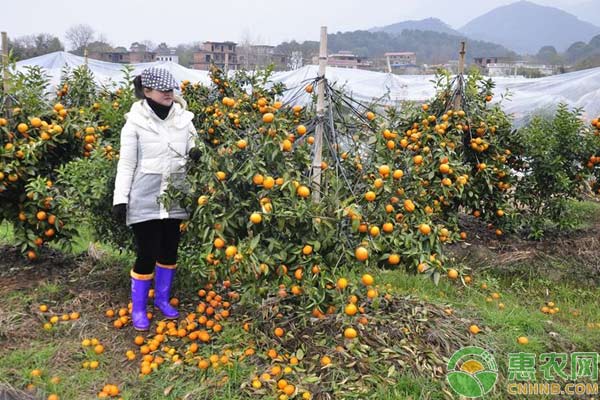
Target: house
[
  {"x": 483, "y": 62},
  {"x": 254, "y": 57},
  {"x": 401, "y": 62},
  {"x": 138, "y": 53},
  {"x": 222, "y": 54},
  {"x": 345, "y": 59},
  {"x": 165, "y": 53},
  {"x": 497, "y": 66},
  {"x": 117, "y": 55}
]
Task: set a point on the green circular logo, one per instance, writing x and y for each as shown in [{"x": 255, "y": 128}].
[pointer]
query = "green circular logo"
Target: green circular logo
[{"x": 472, "y": 372}]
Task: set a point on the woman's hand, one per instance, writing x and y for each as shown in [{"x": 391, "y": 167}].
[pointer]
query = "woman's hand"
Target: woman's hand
[
  {"x": 195, "y": 154},
  {"x": 119, "y": 213}
]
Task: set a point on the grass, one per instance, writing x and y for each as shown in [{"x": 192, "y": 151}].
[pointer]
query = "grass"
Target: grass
[
  {"x": 523, "y": 289},
  {"x": 7, "y": 234}
]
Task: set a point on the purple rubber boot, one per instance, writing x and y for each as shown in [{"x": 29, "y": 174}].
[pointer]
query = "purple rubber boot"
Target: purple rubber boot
[
  {"x": 164, "y": 275},
  {"x": 140, "y": 286}
]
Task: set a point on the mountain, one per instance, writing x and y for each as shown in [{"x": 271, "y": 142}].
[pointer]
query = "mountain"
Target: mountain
[
  {"x": 431, "y": 47},
  {"x": 428, "y": 24},
  {"x": 526, "y": 27}
]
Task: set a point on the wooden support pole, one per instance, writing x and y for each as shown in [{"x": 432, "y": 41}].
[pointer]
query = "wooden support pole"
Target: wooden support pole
[
  {"x": 318, "y": 145},
  {"x": 461, "y": 71},
  {"x": 5, "y": 62}
]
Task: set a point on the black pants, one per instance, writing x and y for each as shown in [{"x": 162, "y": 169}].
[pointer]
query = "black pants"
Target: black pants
[{"x": 156, "y": 241}]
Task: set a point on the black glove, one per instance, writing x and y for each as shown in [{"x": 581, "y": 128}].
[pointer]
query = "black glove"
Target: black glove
[
  {"x": 195, "y": 154},
  {"x": 119, "y": 213}
]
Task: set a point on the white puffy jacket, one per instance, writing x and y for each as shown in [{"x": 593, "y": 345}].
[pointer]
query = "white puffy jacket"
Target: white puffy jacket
[{"x": 153, "y": 154}]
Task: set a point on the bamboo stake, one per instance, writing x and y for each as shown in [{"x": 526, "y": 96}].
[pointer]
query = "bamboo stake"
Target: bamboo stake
[
  {"x": 318, "y": 157},
  {"x": 459, "y": 80},
  {"x": 5, "y": 62}
]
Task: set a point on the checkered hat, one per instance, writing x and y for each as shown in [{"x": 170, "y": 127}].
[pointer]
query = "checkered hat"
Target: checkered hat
[{"x": 158, "y": 79}]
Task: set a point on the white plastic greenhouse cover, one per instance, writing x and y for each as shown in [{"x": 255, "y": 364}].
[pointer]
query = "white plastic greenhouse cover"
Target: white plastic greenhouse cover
[
  {"x": 577, "y": 89},
  {"x": 106, "y": 72}
]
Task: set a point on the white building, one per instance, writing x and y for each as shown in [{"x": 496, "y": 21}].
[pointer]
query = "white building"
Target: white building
[{"x": 168, "y": 54}]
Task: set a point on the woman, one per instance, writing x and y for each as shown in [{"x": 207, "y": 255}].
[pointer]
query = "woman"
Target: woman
[{"x": 155, "y": 140}]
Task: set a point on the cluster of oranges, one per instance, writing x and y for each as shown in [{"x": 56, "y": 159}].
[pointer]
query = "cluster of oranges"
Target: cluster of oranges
[
  {"x": 179, "y": 341},
  {"x": 95, "y": 349},
  {"x": 109, "y": 390},
  {"x": 37, "y": 375},
  {"x": 55, "y": 318},
  {"x": 550, "y": 308}
]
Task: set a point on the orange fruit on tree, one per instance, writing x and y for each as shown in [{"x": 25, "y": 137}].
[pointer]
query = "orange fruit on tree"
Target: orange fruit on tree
[
  {"x": 409, "y": 206},
  {"x": 370, "y": 196},
  {"x": 241, "y": 144},
  {"x": 425, "y": 229},
  {"x": 268, "y": 182},
  {"x": 219, "y": 243},
  {"x": 351, "y": 309},
  {"x": 303, "y": 191},
  {"x": 221, "y": 175},
  {"x": 394, "y": 259},
  {"x": 41, "y": 215},
  {"x": 255, "y": 218},
  {"x": 31, "y": 255},
  {"x": 268, "y": 117},
  {"x": 361, "y": 253},
  {"x": 388, "y": 227},
  {"x": 36, "y": 122},
  {"x": 307, "y": 249},
  {"x": 99, "y": 349},
  {"x": 309, "y": 88},
  {"x": 279, "y": 332},
  {"x": 342, "y": 283},
  {"x": 203, "y": 200},
  {"x": 22, "y": 128},
  {"x": 370, "y": 115},
  {"x": 289, "y": 389},
  {"x": 230, "y": 251},
  {"x": 257, "y": 179},
  {"x": 367, "y": 280},
  {"x": 452, "y": 273},
  {"x": 444, "y": 168},
  {"x": 384, "y": 170},
  {"x": 301, "y": 130},
  {"x": 374, "y": 231},
  {"x": 286, "y": 145}
]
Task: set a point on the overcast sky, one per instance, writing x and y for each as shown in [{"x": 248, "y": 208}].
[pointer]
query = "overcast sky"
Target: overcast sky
[{"x": 262, "y": 21}]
